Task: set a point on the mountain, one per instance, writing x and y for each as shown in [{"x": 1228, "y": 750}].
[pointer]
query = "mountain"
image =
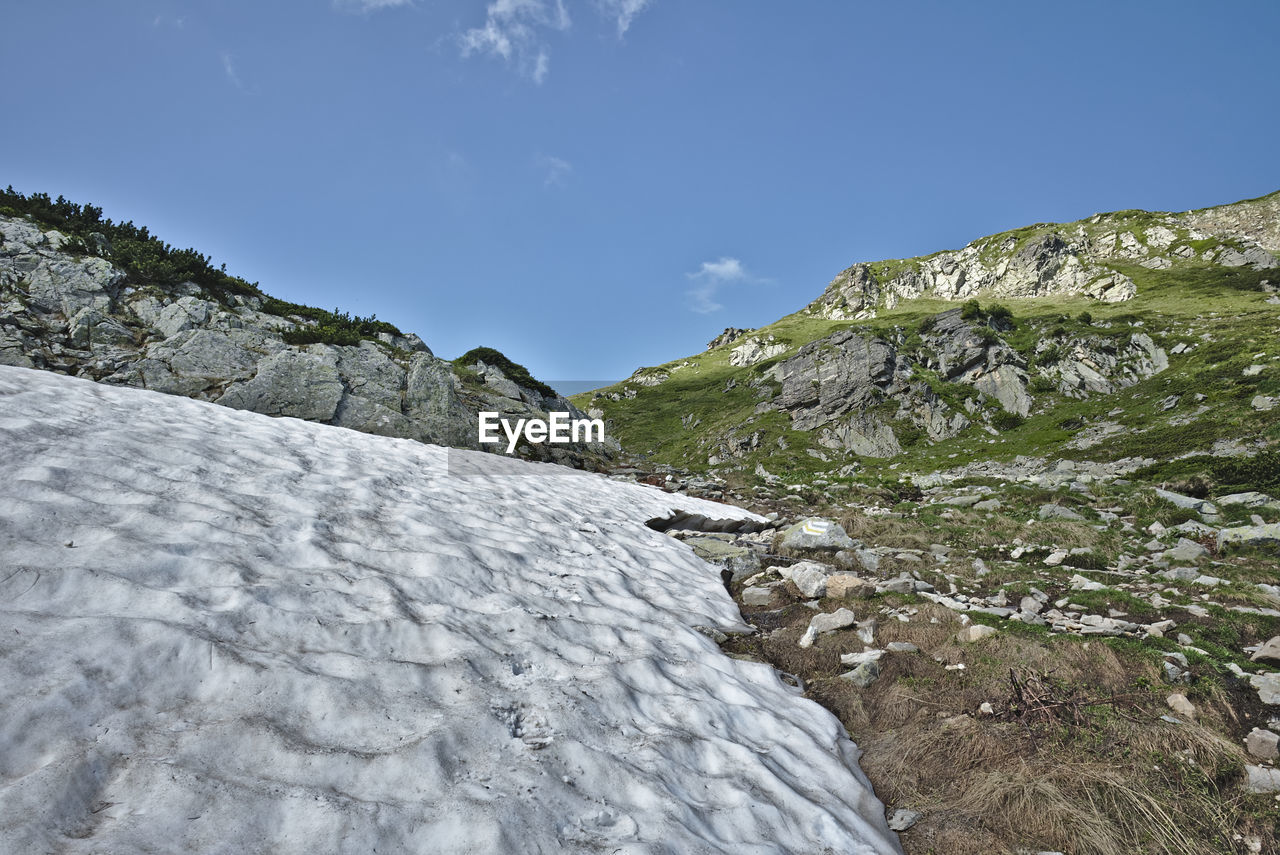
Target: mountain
[
  {"x": 1101, "y": 335},
  {"x": 84, "y": 296}
]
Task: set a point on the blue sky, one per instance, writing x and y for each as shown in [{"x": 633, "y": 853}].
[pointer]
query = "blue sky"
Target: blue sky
[{"x": 595, "y": 185}]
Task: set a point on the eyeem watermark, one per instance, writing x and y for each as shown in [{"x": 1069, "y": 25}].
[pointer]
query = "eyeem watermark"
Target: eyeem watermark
[{"x": 557, "y": 428}]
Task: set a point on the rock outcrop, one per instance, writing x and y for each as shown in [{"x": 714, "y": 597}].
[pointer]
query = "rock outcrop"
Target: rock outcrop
[
  {"x": 1082, "y": 258},
  {"x": 79, "y": 314}
]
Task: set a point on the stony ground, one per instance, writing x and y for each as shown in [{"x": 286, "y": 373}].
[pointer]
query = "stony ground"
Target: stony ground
[{"x": 1044, "y": 657}]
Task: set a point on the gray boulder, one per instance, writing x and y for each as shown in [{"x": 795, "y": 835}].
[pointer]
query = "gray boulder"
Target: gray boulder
[
  {"x": 826, "y": 622},
  {"x": 304, "y": 385},
  {"x": 183, "y": 314},
  {"x": 814, "y": 534},
  {"x": 1249, "y": 500},
  {"x": 1250, "y": 535},
  {"x": 1058, "y": 512},
  {"x": 1267, "y": 686},
  {"x": 864, "y": 674},
  {"x": 431, "y": 400},
  {"x": 1263, "y": 744},
  {"x": 1269, "y": 652},
  {"x": 1189, "y": 503},
  {"x": 741, "y": 561},
  {"x": 1262, "y": 779}
]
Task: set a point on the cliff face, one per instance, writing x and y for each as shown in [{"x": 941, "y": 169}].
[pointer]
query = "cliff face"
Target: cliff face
[
  {"x": 67, "y": 310},
  {"x": 1084, "y": 258}
]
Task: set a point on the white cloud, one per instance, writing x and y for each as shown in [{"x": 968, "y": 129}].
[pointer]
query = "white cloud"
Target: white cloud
[
  {"x": 622, "y": 12},
  {"x": 512, "y": 30},
  {"x": 556, "y": 169},
  {"x": 229, "y": 68},
  {"x": 369, "y": 5},
  {"x": 709, "y": 277},
  {"x": 515, "y": 30}
]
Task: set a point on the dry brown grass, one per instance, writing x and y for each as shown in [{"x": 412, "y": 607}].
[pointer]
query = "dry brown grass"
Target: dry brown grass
[
  {"x": 900, "y": 533},
  {"x": 1112, "y": 779}
]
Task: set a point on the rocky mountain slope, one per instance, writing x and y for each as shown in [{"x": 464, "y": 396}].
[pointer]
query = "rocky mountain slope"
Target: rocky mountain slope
[
  {"x": 1025, "y": 532},
  {"x": 1098, "y": 336},
  {"x": 66, "y": 306}
]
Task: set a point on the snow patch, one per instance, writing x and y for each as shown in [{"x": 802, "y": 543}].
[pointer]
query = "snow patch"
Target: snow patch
[{"x": 226, "y": 632}]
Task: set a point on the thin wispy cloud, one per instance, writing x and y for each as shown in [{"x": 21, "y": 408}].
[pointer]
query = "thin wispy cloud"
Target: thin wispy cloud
[
  {"x": 513, "y": 32},
  {"x": 516, "y": 31},
  {"x": 710, "y": 277},
  {"x": 229, "y": 68},
  {"x": 369, "y": 5},
  {"x": 555, "y": 169},
  {"x": 623, "y": 12}
]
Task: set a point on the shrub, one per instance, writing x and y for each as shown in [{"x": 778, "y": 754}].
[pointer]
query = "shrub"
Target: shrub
[
  {"x": 1005, "y": 420},
  {"x": 1042, "y": 385},
  {"x": 1001, "y": 317},
  {"x": 1085, "y": 318},
  {"x": 970, "y": 310},
  {"x": 1260, "y": 473},
  {"x": 145, "y": 258},
  {"x": 988, "y": 336},
  {"x": 515, "y": 372},
  {"x": 334, "y": 327}
]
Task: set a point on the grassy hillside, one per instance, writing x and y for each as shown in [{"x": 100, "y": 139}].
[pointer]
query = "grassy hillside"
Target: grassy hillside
[{"x": 1224, "y": 315}]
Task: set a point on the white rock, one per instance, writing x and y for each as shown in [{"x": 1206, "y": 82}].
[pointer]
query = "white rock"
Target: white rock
[
  {"x": 975, "y": 632},
  {"x": 1263, "y": 744},
  {"x": 826, "y": 622},
  {"x": 1178, "y": 703}
]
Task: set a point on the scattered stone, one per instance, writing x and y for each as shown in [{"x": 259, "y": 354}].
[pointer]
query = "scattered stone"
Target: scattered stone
[
  {"x": 1058, "y": 512},
  {"x": 866, "y": 630},
  {"x": 1263, "y": 403},
  {"x": 1263, "y": 744},
  {"x": 844, "y": 585},
  {"x": 863, "y": 675},
  {"x": 975, "y": 632},
  {"x": 1262, "y": 779},
  {"x": 961, "y": 501},
  {"x": 1053, "y": 559},
  {"x": 869, "y": 655},
  {"x": 1186, "y": 550},
  {"x": 901, "y": 585},
  {"x": 810, "y": 577},
  {"x": 814, "y": 534},
  {"x": 1251, "y": 499},
  {"x": 827, "y": 622},
  {"x": 904, "y": 819},
  {"x": 1268, "y": 686},
  {"x": 1268, "y": 652},
  {"x": 902, "y": 647},
  {"x": 1080, "y": 583},
  {"x": 987, "y": 505},
  {"x": 756, "y": 596},
  {"x": 1250, "y": 535},
  {"x": 1179, "y": 704},
  {"x": 741, "y": 561},
  {"x": 1174, "y": 674},
  {"x": 1188, "y": 503}
]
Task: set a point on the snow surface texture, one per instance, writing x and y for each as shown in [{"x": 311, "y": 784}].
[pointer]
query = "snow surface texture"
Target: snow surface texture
[{"x": 221, "y": 632}]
